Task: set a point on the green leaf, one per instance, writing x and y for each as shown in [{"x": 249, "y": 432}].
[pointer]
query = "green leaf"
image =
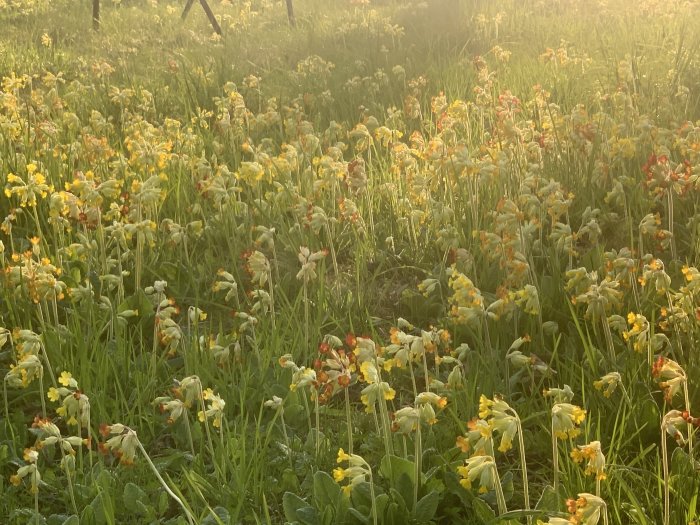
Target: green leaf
[
  {"x": 221, "y": 516},
  {"x": 397, "y": 497},
  {"x": 396, "y": 514},
  {"x": 132, "y": 494},
  {"x": 426, "y": 507},
  {"x": 452, "y": 485},
  {"x": 63, "y": 519},
  {"x": 326, "y": 491},
  {"x": 358, "y": 515},
  {"x": 87, "y": 517},
  {"x": 361, "y": 496},
  {"x": 548, "y": 500},
  {"x": 381, "y": 503},
  {"x": 405, "y": 488},
  {"x": 163, "y": 502},
  {"x": 483, "y": 511},
  {"x": 328, "y": 516},
  {"x": 308, "y": 516},
  {"x": 101, "y": 507},
  {"x": 392, "y": 467},
  {"x": 291, "y": 503}
]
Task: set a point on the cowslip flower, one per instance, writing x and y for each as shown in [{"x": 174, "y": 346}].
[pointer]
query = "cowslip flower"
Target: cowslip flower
[
  {"x": 406, "y": 420},
  {"x": 259, "y": 268},
  {"x": 559, "y": 395},
  {"x": 608, "y": 383},
  {"x": 566, "y": 419},
  {"x": 30, "y": 470},
  {"x": 276, "y": 403},
  {"x": 29, "y": 192},
  {"x": 586, "y": 509},
  {"x": 638, "y": 333},
  {"x": 479, "y": 438},
  {"x": 174, "y": 407},
  {"x": 502, "y": 418},
  {"x": 302, "y": 378},
  {"x": 376, "y": 389},
  {"x": 189, "y": 389},
  {"x": 308, "y": 261},
  {"x": 214, "y": 409},
  {"x": 409, "y": 419},
  {"x": 672, "y": 375},
  {"x": 593, "y": 455},
  {"x": 123, "y": 443},
  {"x": 671, "y": 422},
  {"x": 478, "y": 467},
  {"x": 195, "y": 314},
  {"x": 49, "y": 434},
  {"x": 431, "y": 399},
  {"x": 357, "y": 471},
  {"x": 75, "y": 406},
  {"x": 226, "y": 283},
  {"x": 27, "y": 369}
]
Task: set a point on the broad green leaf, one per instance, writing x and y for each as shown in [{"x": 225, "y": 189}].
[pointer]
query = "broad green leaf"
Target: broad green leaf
[
  {"x": 291, "y": 503},
  {"x": 548, "y": 500},
  {"x": 381, "y": 503},
  {"x": 359, "y": 516},
  {"x": 392, "y": 467},
  {"x": 326, "y": 491},
  {"x": 222, "y": 517},
  {"x": 426, "y": 507},
  {"x": 361, "y": 497},
  {"x": 307, "y": 516},
  {"x": 483, "y": 511},
  {"x": 133, "y": 493}
]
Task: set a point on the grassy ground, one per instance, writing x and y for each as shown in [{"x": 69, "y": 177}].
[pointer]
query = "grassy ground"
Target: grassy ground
[{"x": 409, "y": 262}]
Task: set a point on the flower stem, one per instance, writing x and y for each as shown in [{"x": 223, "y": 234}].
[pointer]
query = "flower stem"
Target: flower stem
[
  {"x": 417, "y": 457},
  {"x": 318, "y": 426},
  {"x": 555, "y": 462},
  {"x": 500, "y": 497},
  {"x": 667, "y": 491},
  {"x": 374, "y": 499},
  {"x": 188, "y": 515},
  {"x": 71, "y": 493},
  {"x": 687, "y": 409},
  {"x": 523, "y": 464},
  {"x": 348, "y": 417}
]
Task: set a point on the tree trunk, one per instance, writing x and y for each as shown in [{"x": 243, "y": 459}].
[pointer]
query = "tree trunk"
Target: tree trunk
[
  {"x": 290, "y": 13},
  {"x": 96, "y": 15},
  {"x": 210, "y": 15},
  {"x": 188, "y": 6}
]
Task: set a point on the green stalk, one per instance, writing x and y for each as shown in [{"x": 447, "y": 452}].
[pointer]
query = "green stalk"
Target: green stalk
[
  {"x": 667, "y": 488},
  {"x": 374, "y": 499},
  {"x": 41, "y": 392},
  {"x": 36, "y": 501},
  {"x": 189, "y": 433},
  {"x": 500, "y": 497},
  {"x": 687, "y": 409},
  {"x": 188, "y": 515},
  {"x": 523, "y": 464},
  {"x": 418, "y": 456},
  {"x": 555, "y": 461},
  {"x": 318, "y": 426},
  {"x": 71, "y": 493},
  {"x": 348, "y": 418},
  {"x": 206, "y": 421}
]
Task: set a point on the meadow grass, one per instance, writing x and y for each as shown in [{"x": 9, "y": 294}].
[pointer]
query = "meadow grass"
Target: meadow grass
[{"x": 407, "y": 262}]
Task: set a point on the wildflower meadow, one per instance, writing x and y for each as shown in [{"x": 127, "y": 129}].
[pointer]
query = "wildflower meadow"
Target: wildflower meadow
[{"x": 320, "y": 262}]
